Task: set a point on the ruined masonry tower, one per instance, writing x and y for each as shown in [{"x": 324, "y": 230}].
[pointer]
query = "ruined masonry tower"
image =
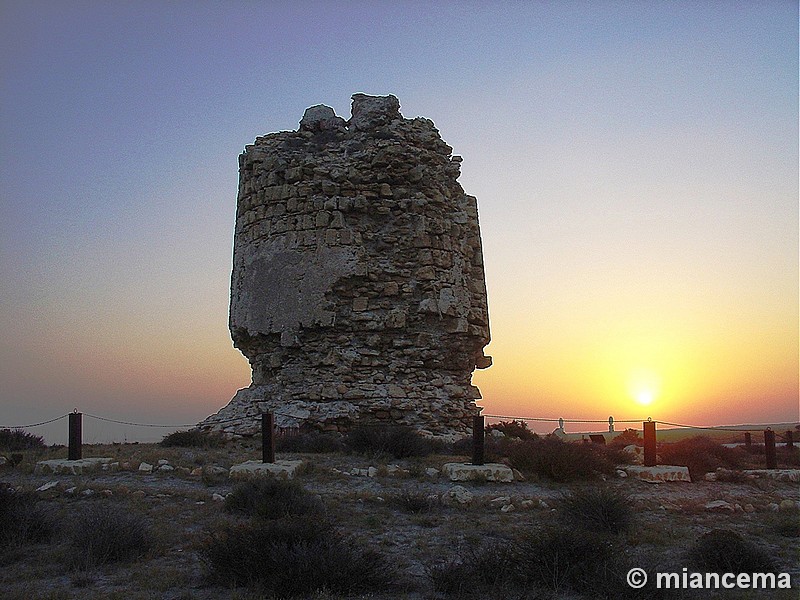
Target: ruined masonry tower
[{"x": 358, "y": 291}]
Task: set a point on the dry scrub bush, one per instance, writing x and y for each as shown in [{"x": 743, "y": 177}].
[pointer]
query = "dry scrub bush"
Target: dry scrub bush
[
  {"x": 194, "y": 438},
  {"x": 22, "y": 519},
  {"x": 311, "y": 443},
  {"x": 14, "y": 440},
  {"x": 414, "y": 501},
  {"x": 551, "y": 458},
  {"x": 397, "y": 441},
  {"x": 701, "y": 455},
  {"x": 292, "y": 558},
  {"x": 600, "y": 509},
  {"x": 106, "y": 533},
  {"x": 271, "y": 499},
  {"x": 725, "y": 551}
]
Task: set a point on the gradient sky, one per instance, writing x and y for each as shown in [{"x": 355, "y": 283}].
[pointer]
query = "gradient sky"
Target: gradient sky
[{"x": 635, "y": 164}]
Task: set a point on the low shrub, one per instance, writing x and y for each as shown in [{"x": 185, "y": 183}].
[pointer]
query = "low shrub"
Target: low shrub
[
  {"x": 292, "y": 558},
  {"x": 14, "y": 440},
  {"x": 398, "y": 441},
  {"x": 513, "y": 429},
  {"x": 271, "y": 499},
  {"x": 106, "y": 533},
  {"x": 554, "y": 459},
  {"x": 725, "y": 551},
  {"x": 22, "y": 519},
  {"x": 488, "y": 571},
  {"x": 701, "y": 455},
  {"x": 193, "y": 438},
  {"x": 413, "y": 501},
  {"x": 602, "y": 509},
  {"x": 786, "y": 525},
  {"x": 312, "y": 443},
  {"x": 627, "y": 438},
  {"x": 570, "y": 560}
]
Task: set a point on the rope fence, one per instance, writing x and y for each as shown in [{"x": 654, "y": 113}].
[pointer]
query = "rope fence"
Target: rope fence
[{"x": 269, "y": 432}]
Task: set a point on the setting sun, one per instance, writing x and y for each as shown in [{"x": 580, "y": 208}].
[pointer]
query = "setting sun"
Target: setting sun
[{"x": 644, "y": 397}]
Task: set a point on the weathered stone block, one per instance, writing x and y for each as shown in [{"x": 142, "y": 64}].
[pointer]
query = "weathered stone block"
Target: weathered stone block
[{"x": 470, "y": 472}]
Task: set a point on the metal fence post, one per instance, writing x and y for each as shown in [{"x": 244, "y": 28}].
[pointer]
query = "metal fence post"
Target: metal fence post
[
  {"x": 748, "y": 440},
  {"x": 769, "y": 449},
  {"x": 477, "y": 440},
  {"x": 611, "y": 424},
  {"x": 789, "y": 439},
  {"x": 75, "y": 450},
  {"x": 267, "y": 437},
  {"x": 649, "y": 443}
]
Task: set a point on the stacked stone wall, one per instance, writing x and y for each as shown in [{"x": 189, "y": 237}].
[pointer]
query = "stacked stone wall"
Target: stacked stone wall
[{"x": 358, "y": 291}]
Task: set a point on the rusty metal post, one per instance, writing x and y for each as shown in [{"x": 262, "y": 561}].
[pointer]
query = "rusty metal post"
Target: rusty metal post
[
  {"x": 769, "y": 449},
  {"x": 267, "y": 437},
  {"x": 477, "y": 440},
  {"x": 748, "y": 440},
  {"x": 75, "y": 450},
  {"x": 649, "y": 443},
  {"x": 789, "y": 439}
]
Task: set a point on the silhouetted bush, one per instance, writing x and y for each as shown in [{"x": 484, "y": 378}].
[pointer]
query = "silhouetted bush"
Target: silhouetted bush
[
  {"x": 602, "y": 509},
  {"x": 414, "y": 501},
  {"x": 313, "y": 443},
  {"x": 19, "y": 439},
  {"x": 569, "y": 560},
  {"x": 22, "y": 519},
  {"x": 292, "y": 558},
  {"x": 702, "y": 455},
  {"x": 106, "y": 533},
  {"x": 397, "y": 441},
  {"x": 513, "y": 429},
  {"x": 626, "y": 438},
  {"x": 554, "y": 459},
  {"x": 271, "y": 499},
  {"x": 194, "y": 438},
  {"x": 488, "y": 571},
  {"x": 725, "y": 551}
]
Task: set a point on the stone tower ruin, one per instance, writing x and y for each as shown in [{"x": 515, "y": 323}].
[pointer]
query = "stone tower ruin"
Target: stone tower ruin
[{"x": 358, "y": 291}]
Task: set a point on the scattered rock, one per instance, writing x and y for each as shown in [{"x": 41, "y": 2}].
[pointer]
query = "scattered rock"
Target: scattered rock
[
  {"x": 372, "y": 472},
  {"x": 787, "y": 505},
  {"x": 166, "y": 468},
  {"x": 218, "y": 497},
  {"x": 162, "y": 462},
  {"x": 749, "y": 508},
  {"x": 47, "y": 486},
  {"x": 621, "y": 473},
  {"x": 500, "y": 501},
  {"x": 507, "y": 508},
  {"x": 145, "y": 467},
  {"x": 719, "y": 506},
  {"x": 457, "y": 495},
  {"x": 773, "y": 507},
  {"x": 659, "y": 474},
  {"x": 526, "y": 504},
  {"x": 139, "y": 494},
  {"x": 196, "y": 472},
  {"x": 107, "y": 493},
  {"x": 431, "y": 472},
  {"x": 87, "y": 493}
]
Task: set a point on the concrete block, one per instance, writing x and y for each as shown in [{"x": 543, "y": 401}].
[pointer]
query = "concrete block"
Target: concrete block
[
  {"x": 486, "y": 472},
  {"x": 72, "y": 467},
  {"x": 659, "y": 474},
  {"x": 280, "y": 469}
]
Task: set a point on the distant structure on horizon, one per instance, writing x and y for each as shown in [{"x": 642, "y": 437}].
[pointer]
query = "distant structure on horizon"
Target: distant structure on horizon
[{"x": 358, "y": 292}]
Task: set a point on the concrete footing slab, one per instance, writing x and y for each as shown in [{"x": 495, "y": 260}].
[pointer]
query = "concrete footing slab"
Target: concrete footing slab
[
  {"x": 280, "y": 469},
  {"x": 75, "y": 467},
  {"x": 487, "y": 472},
  {"x": 659, "y": 474}
]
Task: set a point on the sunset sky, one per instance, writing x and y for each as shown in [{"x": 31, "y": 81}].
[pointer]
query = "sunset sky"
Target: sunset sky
[{"x": 635, "y": 164}]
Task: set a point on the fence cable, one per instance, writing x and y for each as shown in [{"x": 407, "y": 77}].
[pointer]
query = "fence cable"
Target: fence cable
[
  {"x": 32, "y": 424},
  {"x": 137, "y": 424}
]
